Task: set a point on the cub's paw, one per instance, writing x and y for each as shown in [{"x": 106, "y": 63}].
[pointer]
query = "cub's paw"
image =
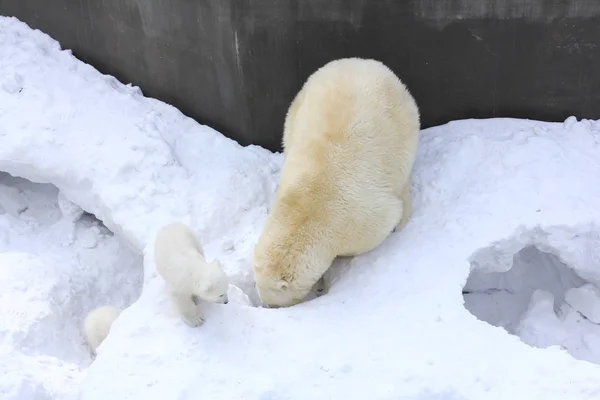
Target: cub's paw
[{"x": 193, "y": 320}]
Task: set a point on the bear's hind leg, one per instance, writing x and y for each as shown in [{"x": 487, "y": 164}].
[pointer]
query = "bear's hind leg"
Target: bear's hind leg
[
  {"x": 406, "y": 198},
  {"x": 189, "y": 311}
]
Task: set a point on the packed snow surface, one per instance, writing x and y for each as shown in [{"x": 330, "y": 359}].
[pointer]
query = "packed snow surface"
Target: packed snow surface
[{"x": 488, "y": 194}]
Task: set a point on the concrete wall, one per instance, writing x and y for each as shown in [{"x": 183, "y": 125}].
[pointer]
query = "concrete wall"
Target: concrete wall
[{"x": 236, "y": 64}]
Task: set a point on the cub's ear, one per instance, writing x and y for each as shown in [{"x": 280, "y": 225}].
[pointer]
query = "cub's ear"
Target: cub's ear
[{"x": 282, "y": 284}]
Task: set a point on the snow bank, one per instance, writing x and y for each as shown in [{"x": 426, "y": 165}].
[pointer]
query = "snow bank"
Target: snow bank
[
  {"x": 541, "y": 300},
  {"x": 56, "y": 264},
  {"x": 393, "y": 324},
  {"x": 132, "y": 161}
]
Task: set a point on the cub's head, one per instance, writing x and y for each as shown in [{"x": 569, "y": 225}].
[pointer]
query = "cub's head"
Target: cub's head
[{"x": 214, "y": 284}]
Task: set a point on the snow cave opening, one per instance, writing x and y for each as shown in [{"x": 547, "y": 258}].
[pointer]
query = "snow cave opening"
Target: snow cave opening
[
  {"x": 540, "y": 299},
  {"x": 57, "y": 263}
]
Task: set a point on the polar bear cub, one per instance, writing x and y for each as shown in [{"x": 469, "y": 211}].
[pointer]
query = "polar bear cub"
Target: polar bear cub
[
  {"x": 96, "y": 325},
  {"x": 179, "y": 259},
  {"x": 350, "y": 140}
]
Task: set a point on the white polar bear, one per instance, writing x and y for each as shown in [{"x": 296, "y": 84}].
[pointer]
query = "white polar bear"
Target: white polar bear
[
  {"x": 96, "y": 325},
  {"x": 179, "y": 259},
  {"x": 350, "y": 140}
]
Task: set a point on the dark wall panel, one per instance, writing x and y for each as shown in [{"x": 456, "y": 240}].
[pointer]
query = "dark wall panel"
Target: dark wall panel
[{"x": 236, "y": 64}]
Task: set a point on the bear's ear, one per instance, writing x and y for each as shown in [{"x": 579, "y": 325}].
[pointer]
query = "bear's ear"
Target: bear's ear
[{"x": 282, "y": 284}]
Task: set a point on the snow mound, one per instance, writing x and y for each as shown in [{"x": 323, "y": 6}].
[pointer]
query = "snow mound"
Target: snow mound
[
  {"x": 392, "y": 324},
  {"x": 56, "y": 264},
  {"x": 134, "y": 162}
]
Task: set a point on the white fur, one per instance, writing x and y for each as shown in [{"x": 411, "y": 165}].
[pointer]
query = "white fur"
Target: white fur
[
  {"x": 180, "y": 261},
  {"x": 97, "y": 323},
  {"x": 350, "y": 140}
]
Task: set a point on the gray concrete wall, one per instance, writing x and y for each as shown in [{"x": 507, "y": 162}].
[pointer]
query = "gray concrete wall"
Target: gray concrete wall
[{"x": 236, "y": 64}]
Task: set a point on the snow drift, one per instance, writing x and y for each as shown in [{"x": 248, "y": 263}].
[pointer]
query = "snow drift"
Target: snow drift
[
  {"x": 393, "y": 323},
  {"x": 56, "y": 264}
]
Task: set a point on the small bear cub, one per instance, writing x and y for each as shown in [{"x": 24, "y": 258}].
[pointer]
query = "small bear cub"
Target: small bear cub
[{"x": 179, "y": 259}]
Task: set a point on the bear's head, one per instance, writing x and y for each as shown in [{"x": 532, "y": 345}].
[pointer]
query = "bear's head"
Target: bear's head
[
  {"x": 280, "y": 287},
  {"x": 277, "y": 292},
  {"x": 213, "y": 284},
  {"x": 288, "y": 259}
]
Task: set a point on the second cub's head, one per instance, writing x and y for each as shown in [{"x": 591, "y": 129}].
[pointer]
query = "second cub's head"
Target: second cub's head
[{"x": 213, "y": 283}]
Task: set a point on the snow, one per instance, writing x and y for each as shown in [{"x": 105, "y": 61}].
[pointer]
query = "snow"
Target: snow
[
  {"x": 541, "y": 300},
  {"x": 56, "y": 264},
  {"x": 488, "y": 195},
  {"x": 586, "y": 300}
]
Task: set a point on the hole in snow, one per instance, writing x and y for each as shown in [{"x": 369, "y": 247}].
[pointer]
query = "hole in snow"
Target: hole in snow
[
  {"x": 540, "y": 299},
  {"x": 57, "y": 263}
]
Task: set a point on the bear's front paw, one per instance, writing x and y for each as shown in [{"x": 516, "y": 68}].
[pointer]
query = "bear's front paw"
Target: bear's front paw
[{"x": 193, "y": 320}]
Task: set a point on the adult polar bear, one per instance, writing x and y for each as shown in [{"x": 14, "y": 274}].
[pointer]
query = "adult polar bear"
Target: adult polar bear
[{"x": 350, "y": 140}]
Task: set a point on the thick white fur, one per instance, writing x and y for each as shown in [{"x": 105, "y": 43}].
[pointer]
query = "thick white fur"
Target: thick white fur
[
  {"x": 350, "y": 140},
  {"x": 97, "y": 323},
  {"x": 179, "y": 259}
]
